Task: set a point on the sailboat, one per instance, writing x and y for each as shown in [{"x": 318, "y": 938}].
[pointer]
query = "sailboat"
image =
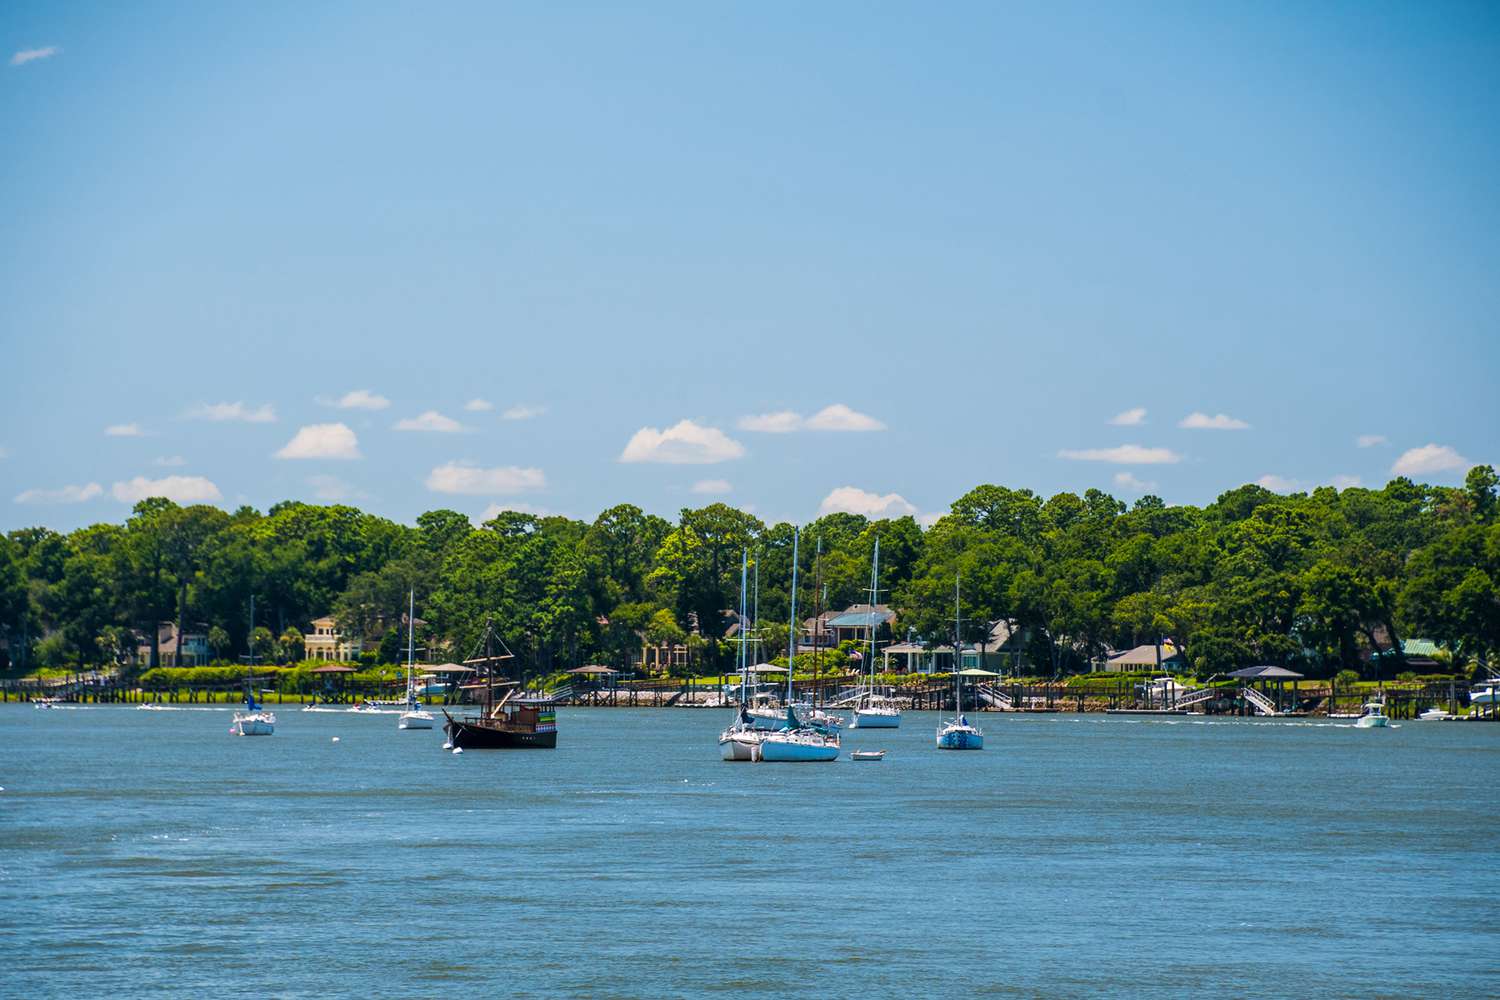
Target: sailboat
[
  {"x": 956, "y": 733},
  {"x": 511, "y": 723},
  {"x": 415, "y": 717},
  {"x": 740, "y": 741},
  {"x": 254, "y": 720},
  {"x": 797, "y": 742},
  {"x": 873, "y": 710}
]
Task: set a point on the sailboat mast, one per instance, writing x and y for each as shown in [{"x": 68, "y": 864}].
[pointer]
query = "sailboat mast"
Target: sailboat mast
[
  {"x": 791, "y": 642},
  {"x": 411, "y": 628},
  {"x": 744, "y": 638},
  {"x": 958, "y": 690},
  {"x": 817, "y": 620}
]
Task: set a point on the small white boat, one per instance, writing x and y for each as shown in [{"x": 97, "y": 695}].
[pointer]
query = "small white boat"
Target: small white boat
[
  {"x": 1435, "y": 714},
  {"x": 877, "y": 716},
  {"x": 45, "y": 702},
  {"x": 873, "y": 709},
  {"x": 415, "y": 718},
  {"x": 253, "y": 724},
  {"x": 797, "y": 742},
  {"x": 868, "y": 755},
  {"x": 1373, "y": 717},
  {"x": 957, "y": 733}
]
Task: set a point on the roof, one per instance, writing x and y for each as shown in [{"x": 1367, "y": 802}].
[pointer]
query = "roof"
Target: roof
[
  {"x": 592, "y": 669},
  {"x": 1144, "y": 656},
  {"x": 861, "y": 615},
  {"x": 905, "y": 647},
  {"x": 448, "y": 668},
  {"x": 976, "y": 672},
  {"x": 1419, "y": 647},
  {"x": 1264, "y": 673},
  {"x": 333, "y": 668}
]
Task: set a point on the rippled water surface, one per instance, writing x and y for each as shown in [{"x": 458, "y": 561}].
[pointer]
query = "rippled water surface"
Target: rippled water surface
[{"x": 151, "y": 853}]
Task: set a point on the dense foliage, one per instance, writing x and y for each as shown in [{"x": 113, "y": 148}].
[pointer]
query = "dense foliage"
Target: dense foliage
[{"x": 1314, "y": 580}]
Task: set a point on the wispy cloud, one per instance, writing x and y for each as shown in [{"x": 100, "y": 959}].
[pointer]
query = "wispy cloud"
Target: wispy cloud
[
  {"x": 1129, "y": 418},
  {"x": 1125, "y": 454},
  {"x": 170, "y": 461},
  {"x": 522, "y": 411},
  {"x": 853, "y": 500},
  {"x": 684, "y": 443},
  {"x": 124, "y": 431},
  {"x": 780, "y": 422},
  {"x": 711, "y": 487},
  {"x": 1369, "y": 440},
  {"x": 479, "y": 405},
  {"x": 1277, "y": 484},
  {"x": 332, "y": 489},
  {"x": 32, "y": 55},
  {"x": 178, "y": 489},
  {"x": 358, "y": 399},
  {"x": 1344, "y": 482},
  {"x": 67, "y": 494},
  {"x": 834, "y": 417},
  {"x": 1428, "y": 459},
  {"x": 263, "y": 414},
  {"x": 432, "y": 421},
  {"x": 332, "y": 441},
  {"x": 469, "y": 479},
  {"x": 1218, "y": 422},
  {"x": 1128, "y": 481}
]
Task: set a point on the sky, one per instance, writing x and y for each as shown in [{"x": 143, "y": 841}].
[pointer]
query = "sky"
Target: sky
[{"x": 798, "y": 258}]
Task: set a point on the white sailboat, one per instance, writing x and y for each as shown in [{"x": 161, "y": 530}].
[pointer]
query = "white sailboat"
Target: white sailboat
[
  {"x": 254, "y": 720},
  {"x": 414, "y": 717},
  {"x": 872, "y": 709},
  {"x": 797, "y": 742},
  {"x": 957, "y": 733},
  {"x": 742, "y": 739}
]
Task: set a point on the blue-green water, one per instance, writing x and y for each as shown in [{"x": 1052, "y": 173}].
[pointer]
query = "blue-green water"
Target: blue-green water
[{"x": 146, "y": 853}]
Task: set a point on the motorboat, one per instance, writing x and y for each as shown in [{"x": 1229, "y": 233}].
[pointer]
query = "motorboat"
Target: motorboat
[
  {"x": 1435, "y": 714},
  {"x": 1373, "y": 716},
  {"x": 868, "y": 755}
]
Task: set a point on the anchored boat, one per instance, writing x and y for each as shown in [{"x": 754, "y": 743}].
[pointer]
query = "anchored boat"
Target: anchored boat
[
  {"x": 797, "y": 742},
  {"x": 957, "y": 733},
  {"x": 514, "y": 722}
]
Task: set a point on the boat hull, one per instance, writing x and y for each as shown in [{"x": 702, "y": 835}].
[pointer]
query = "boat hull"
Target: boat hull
[
  {"x": 467, "y": 735},
  {"x": 739, "y": 746},
  {"x": 1372, "y": 722},
  {"x": 875, "y": 720},
  {"x": 415, "y": 720},
  {"x": 960, "y": 739},
  {"x": 794, "y": 752},
  {"x": 254, "y": 725}
]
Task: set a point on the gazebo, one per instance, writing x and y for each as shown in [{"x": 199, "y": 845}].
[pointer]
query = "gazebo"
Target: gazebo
[
  {"x": 330, "y": 674},
  {"x": 1265, "y": 674}
]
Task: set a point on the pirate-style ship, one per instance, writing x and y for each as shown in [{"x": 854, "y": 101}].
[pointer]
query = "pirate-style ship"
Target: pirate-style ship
[{"x": 513, "y": 721}]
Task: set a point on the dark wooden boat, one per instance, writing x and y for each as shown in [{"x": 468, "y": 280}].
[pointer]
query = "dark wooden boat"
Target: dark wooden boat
[{"x": 514, "y": 722}]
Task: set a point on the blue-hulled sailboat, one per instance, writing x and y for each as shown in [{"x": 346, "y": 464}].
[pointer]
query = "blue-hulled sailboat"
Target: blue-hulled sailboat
[{"x": 957, "y": 733}]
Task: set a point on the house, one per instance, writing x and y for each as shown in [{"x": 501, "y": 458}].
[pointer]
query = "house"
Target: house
[
  {"x": 1148, "y": 657},
  {"x": 851, "y": 623},
  {"x": 326, "y": 642},
  {"x": 192, "y": 651}
]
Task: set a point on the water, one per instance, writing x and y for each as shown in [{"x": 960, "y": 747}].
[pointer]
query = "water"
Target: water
[{"x": 150, "y": 853}]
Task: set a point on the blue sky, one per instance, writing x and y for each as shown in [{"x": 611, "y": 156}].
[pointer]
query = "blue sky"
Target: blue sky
[{"x": 796, "y": 257}]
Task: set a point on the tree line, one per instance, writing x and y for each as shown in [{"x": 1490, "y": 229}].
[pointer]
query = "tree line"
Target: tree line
[{"x": 1317, "y": 581}]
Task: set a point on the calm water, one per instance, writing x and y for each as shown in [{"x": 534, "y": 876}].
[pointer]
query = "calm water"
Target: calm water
[{"x": 151, "y": 853}]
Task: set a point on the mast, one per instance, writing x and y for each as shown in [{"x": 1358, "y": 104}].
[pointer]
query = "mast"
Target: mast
[
  {"x": 817, "y": 621},
  {"x": 791, "y": 643},
  {"x": 958, "y": 690},
  {"x": 744, "y": 638},
  {"x": 411, "y": 628},
  {"x": 870, "y": 619}
]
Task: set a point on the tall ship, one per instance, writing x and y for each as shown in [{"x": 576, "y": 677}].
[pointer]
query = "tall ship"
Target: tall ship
[{"x": 516, "y": 721}]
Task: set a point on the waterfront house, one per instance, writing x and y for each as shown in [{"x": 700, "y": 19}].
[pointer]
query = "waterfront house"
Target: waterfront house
[
  {"x": 327, "y": 642},
  {"x": 191, "y": 651},
  {"x": 1148, "y": 657},
  {"x": 850, "y": 624}
]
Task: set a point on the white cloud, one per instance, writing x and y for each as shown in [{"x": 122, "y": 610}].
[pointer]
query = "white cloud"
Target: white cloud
[
  {"x": 170, "y": 461},
  {"x": 839, "y": 417},
  {"x": 332, "y": 488},
  {"x": 684, "y": 443},
  {"x": 712, "y": 487},
  {"x": 836, "y": 417},
  {"x": 361, "y": 399},
  {"x": 1277, "y": 484},
  {"x": 479, "y": 405},
  {"x": 263, "y": 414},
  {"x": 1129, "y": 418},
  {"x": 432, "y": 420},
  {"x": 178, "y": 489},
  {"x": 780, "y": 422},
  {"x": 496, "y": 509},
  {"x": 1125, "y": 454},
  {"x": 124, "y": 431},
  {"x": 853, "y": 500},
  {"x": 1127, "y": 481},
  {"x": 521, "y": 411},
  {"x": 930, "y": 518},
  {"x": 1218, "y": 422},
  {"x": 1370, "y": 440},
  {"x": 31, "y": 55},
  {"x": 1344, "y": 482},
  {"x": 68, "y": 494},
  {"x": 1429, "y": 458},
  {"x": 322, "y": 441},
  {"x": 465, "y": 477}
]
